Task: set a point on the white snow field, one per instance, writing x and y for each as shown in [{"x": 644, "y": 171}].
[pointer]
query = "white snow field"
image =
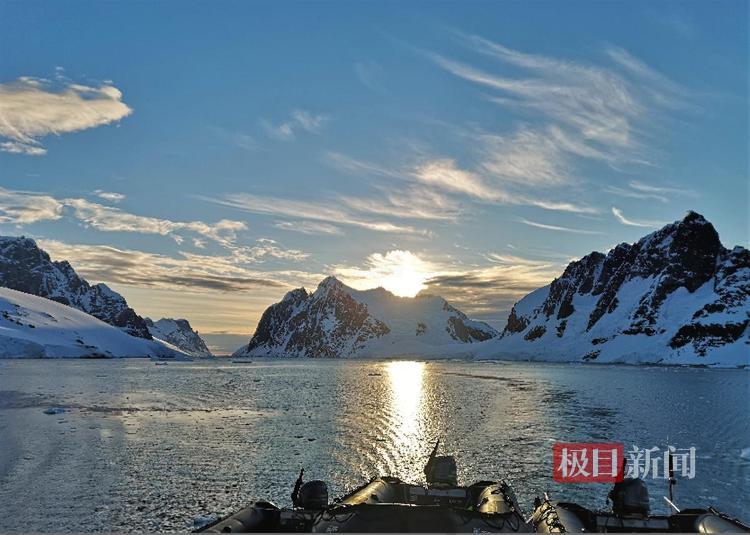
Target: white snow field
[{"x": 35, "y": 327}]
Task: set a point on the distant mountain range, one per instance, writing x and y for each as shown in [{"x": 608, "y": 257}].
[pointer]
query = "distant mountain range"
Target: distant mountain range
[
  {"x": 338, "y": 321},
  {"x": 675, "y": 296},
  {"x": 27, "y": 268},
  {"x": 180, "y": 334}
]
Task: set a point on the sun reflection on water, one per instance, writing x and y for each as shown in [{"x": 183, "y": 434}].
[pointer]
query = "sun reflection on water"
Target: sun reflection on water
[
  {"x": 408, "y": 415},
  {"x": 407, "y": 380}
]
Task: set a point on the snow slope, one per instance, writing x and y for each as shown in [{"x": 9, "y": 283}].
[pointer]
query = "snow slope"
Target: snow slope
[
  {"x": 677, "y": 296},
  {"x": 338, "y": 321},
  {"x": 35, "y": 327}
]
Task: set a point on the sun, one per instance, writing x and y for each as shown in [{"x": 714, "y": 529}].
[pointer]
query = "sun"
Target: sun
[{"x": 401, "y": 272}]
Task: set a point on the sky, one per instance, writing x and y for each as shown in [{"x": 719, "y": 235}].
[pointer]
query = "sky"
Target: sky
[{"x": 204, "y": 158}]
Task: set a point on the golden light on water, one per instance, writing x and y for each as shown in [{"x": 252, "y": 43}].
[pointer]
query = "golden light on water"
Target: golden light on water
[{"x": 407, "y": 390}]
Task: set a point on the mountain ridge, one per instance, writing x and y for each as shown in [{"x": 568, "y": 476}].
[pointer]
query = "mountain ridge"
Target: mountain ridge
[
  {"x": 27, "y": 268},
  {"x": 338, "y": 321},
  {"x": 180, "y": 334},
  {"x": 678, "y": 293}
]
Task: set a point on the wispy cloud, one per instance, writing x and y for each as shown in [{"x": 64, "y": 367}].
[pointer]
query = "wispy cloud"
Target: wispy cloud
[
  {"x": 489, "y": 292},
  {"x": 411, "y": 203},
  {"x": 299, "y": 120},
  {"x": 661, "y": 190},
  {"x": 353, "y": 165},
  {"x": 640, "y": 190},
  {"x": 240, "y": 140},
  {"x": 592, "y": 111},
  {"x": 559, "y": 228},
  {"x": 269, "y": 248},
  {"x": 633, "y": 223},
  {"x": 109, "y": 195},
  {"x": 23, "y": 208},
  {"x": 323, "y": 211},
  {"x": 33, "y": 108},
  {"x": 309, "y": 227},
  {"x": 445, "y": 174},
  {"x": 149, "y": 270},
  {"x": 370, "y": 73},
  {"x": 110, "y": 219},
  {"x": 541, "y": 157},
  {"x": 597, "y": 102},
  {"x": 664, "y": 91},
  {"x": 634, "y": 194},
  {"x": 507, "y": 259},
  {"x": 16, "y": 147}
]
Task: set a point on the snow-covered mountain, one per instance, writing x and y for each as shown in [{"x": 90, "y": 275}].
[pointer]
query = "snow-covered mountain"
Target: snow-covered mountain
[
  {"x": 675, "y": 296},
  {"x": 35, "y": 327},
  {"x": 27, "y": 268},
  {"x": 180, "y": 334},
  {"x": 338, "y": 321}
]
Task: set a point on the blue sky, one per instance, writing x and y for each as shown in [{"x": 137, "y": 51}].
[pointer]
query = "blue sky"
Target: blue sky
[{"x": 204, "y": 158}]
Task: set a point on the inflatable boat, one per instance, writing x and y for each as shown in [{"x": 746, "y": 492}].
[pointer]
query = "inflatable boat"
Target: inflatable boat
[
  {"x": 389, "y": 505},
  {"x": 560, "y": 517}
]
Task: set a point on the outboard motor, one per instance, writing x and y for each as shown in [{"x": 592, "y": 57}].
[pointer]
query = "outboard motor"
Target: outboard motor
[
  {"x": 630, "y": 497},
  {"x": 441, "y": 471},
  {"x": 313, "y": 495}
]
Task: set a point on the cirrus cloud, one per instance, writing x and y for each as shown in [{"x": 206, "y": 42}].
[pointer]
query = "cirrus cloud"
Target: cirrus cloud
[
  {"x": 25, "y": 207},
  {"x": 632, "y": 223}
]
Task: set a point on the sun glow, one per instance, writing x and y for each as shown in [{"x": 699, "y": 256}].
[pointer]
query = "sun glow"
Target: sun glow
[
  {"x": 400, "y": 272},
  {"x": 404, "y": 279}
]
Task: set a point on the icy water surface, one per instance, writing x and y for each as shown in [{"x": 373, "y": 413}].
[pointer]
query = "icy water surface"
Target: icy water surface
[{"x": 141, "y": 447}]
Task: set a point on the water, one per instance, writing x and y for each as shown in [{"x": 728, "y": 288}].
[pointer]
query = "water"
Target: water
[{"x": 150, "y": 448}]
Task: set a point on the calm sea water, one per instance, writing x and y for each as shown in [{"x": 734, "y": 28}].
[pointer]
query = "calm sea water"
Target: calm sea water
[{"x": 146, "y": 447}]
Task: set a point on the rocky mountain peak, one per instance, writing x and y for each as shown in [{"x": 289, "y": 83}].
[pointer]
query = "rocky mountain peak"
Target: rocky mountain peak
[
  {"x": 180, "y": 334},
  {"x": 633, "y": 290},
  {"x": 296, "y": 295},
  {"x": 329, "y": 284},
  {"x": 338, "y": 321}
]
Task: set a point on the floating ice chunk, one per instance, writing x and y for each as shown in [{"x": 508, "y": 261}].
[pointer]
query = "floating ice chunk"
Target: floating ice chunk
[
  {"x": 54, "y": 410},
  {"x": 745, "y": 454},
  {"x": 203, "y": 520}
]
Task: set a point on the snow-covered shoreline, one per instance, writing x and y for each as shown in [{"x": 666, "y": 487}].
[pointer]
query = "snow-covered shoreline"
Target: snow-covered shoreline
[{"x": 35, "y": 327}]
